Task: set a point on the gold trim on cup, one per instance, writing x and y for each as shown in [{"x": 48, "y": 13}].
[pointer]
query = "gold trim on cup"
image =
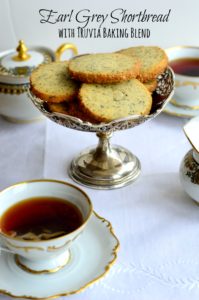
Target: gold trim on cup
[
  {"x": 55, "y": 181},
  {"x": 25, "y": 268},
  {"x": 178, "y": 83},
  {"x": 106, "y": 269},
  {"x": 54, "y": 248},
  {"x": 26, "y": 249}
]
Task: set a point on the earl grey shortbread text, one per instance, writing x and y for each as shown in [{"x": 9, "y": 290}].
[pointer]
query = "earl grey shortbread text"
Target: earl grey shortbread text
[{"x": 85, "y": 17}]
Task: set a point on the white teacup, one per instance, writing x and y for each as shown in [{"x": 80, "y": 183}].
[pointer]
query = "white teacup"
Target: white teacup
[
  {"x": 52, "y": 254},
  {"x": 186, "y": 87}
]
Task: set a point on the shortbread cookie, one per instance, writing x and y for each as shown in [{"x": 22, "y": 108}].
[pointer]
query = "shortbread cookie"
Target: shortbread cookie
[
  {"x": 108, "y": 102},
  {"x": 70, "y": 108},
  {"x": 103, "y": 68},
  {"x": 61, "y": 107},
  {"x": 153, "y": 61},
  {"x": 151, "y": 85},
  {"x": 51, "y": 82}
]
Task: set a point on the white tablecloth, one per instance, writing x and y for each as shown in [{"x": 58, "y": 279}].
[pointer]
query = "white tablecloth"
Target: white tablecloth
[{"x": 156, "y": 223}]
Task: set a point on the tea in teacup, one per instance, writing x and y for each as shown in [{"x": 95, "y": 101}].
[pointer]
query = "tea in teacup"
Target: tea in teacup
[
  {"x": 184, "y": 60},
  {"x": 41, "y": 218},
  {"x": 186, "y": 66}
]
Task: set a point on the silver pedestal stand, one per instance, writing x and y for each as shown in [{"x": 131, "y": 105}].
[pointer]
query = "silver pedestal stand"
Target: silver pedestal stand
[{"x": 107, "y": 166}]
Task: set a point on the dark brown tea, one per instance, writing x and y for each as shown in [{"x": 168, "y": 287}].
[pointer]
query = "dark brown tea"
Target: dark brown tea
[
  {"x": 41, "y": 218},
  {"x": 185, "y": 66}
]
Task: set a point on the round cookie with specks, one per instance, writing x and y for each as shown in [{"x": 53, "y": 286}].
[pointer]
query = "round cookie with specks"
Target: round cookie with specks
[
  {"x": 153, "y": 61},
  {"x": 70, "y": 108},
  {"x": 107, "y": 102},
  {"x": 51, "y": 82},
  {"x": 104, "y": 68}
]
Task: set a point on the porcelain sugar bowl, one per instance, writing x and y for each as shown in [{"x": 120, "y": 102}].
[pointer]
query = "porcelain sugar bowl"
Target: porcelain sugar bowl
[
  {"x": 189, "y": 169},
  {"x": 15, "y": 69}
]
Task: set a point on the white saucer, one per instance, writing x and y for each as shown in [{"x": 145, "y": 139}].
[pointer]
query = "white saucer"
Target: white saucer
[
  {"x": 182, "y": 112},
  {"x": 91, "y": 257}
]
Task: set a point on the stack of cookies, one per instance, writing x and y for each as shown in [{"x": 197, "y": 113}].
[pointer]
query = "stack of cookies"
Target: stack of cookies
[{"x": 101, "y": 87}]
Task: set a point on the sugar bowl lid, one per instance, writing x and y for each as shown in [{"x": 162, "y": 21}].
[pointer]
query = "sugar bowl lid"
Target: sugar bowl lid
[{"x": 16, "y": 66}]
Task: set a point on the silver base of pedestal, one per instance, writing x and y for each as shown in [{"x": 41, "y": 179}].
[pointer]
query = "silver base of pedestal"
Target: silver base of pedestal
[{"x": 114, "y": 168}]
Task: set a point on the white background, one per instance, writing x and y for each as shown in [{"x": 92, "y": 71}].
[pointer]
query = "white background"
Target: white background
[{"x": 19, "y": 19}]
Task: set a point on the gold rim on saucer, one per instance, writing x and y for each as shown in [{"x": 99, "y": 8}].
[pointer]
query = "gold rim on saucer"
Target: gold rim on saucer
[
  {"x": 177, "y": 114},
  {"x": 172, "y": 112}
]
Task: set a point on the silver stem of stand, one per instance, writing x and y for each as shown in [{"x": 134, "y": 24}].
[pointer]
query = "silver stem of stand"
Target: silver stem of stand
[{"x": 105, "y": 166}]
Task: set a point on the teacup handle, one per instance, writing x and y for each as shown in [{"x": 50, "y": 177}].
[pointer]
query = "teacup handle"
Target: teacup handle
[{"x": 63, "y": 48}]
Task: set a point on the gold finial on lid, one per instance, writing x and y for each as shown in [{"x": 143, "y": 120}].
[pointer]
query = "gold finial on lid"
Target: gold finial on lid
[{"x": 22, "y": 52}]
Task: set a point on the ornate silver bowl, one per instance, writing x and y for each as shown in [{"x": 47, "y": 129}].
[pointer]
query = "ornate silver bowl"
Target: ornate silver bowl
[{"x": 106, "y": 166}]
